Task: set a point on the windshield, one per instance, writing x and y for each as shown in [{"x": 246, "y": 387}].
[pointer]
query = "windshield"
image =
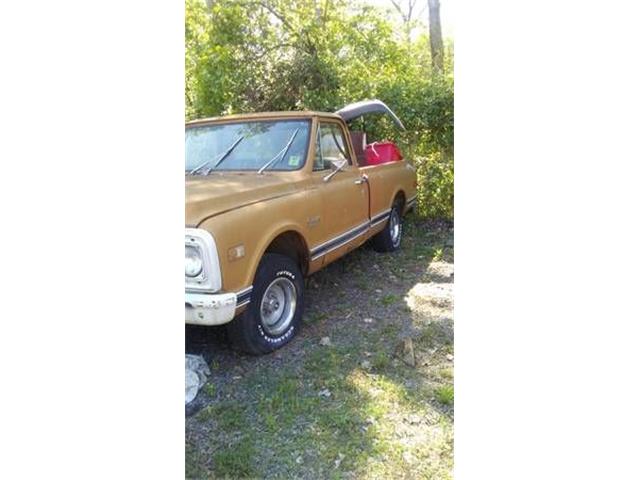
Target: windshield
[{"x": 247, "y": 146}]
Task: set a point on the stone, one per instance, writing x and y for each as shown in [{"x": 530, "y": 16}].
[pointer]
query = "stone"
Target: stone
[
  {"x": 324, "y": 393},
  {"x": 404, "y": 350},
  {"x": 191, "y": 387},
  {"x": 325, "y": 341},
  {"x": 196, "y": 372}
]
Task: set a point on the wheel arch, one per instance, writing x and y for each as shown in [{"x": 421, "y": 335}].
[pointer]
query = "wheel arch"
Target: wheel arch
[
  {"x": 289, "y": 241},
  {"x": 401, "y": 197}
]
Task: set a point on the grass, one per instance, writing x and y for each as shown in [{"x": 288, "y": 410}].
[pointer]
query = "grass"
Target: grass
[
  {"x": 236, "y": 461},
  {"x": 444, "y": 394},
  {"x": 388, "y": 420},
  {"x": 388, "y": 300}
]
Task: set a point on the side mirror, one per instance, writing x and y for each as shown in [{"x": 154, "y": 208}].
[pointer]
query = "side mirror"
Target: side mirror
[{"x": 338, "y": 166}]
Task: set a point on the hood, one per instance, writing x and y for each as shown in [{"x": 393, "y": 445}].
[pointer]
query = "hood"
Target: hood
[{"x": 207, "y": 196}]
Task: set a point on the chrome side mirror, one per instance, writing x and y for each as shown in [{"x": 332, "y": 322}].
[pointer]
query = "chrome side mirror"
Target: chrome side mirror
[{"x": 338, "y": 168}]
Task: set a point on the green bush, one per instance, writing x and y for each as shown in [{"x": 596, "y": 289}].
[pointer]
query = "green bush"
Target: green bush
[{"x": 435, "y": 186}]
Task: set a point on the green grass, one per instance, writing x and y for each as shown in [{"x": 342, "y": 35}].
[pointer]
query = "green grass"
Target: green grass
[
  {"x": 444, "y": 394},
  {"x": 236, "y": 461},
  {"x": 388, "y": 299},
  {"x": 209, "y": 389}
]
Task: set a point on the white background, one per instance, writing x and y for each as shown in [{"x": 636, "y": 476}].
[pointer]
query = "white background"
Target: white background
[{"x": 91, "y": 191}]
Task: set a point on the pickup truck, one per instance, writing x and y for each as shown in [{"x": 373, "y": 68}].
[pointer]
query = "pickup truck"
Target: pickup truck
[{"x": 272, "y": 198}]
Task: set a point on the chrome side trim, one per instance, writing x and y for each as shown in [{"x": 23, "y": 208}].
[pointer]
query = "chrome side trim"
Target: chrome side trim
[
  {"x": 348, "y": 236},
  {"x": 244, "y": 296},
  {"x": 348, "y": 233},
  {"x": 339, "y": 242},
  {"x": 380, "y": 216}
]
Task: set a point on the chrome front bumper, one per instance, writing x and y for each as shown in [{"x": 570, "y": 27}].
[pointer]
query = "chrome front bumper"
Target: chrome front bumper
[{"x": 209, "y": 308}]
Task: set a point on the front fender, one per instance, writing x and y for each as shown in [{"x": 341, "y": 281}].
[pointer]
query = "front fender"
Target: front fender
[{"x": 253, "y": 228}]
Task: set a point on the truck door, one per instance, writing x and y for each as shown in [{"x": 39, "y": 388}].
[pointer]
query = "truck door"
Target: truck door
[{"x": 345, "y": 196}]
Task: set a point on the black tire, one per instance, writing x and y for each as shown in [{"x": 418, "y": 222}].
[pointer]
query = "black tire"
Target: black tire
[
  {"x": 386, "y": 240},
  {"x": 249, "y": 331}
]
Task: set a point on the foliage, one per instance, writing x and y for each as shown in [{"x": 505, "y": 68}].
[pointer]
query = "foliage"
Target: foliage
[{"x": 269, "y": 55}]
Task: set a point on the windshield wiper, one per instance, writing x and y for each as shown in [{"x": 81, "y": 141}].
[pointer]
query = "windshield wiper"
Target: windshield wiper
[
  {"x": 219, "y": 159},
  {"x": 282, "y": 152}
]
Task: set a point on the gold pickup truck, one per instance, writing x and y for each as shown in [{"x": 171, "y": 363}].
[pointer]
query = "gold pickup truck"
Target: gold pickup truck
[{"x": 272, "y": 198}]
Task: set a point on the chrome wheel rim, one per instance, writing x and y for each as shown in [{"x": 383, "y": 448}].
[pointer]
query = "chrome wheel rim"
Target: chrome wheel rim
[
  {"x": 395, "y": 228},
  {"x": 278, "y": 306}
]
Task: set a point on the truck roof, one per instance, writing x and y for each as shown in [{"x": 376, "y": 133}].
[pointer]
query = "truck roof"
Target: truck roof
[{"x": 263, "y": 115}]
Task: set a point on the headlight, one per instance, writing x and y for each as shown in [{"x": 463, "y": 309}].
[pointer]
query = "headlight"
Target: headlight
[
  {"x": 201, "y": 265},
  {"x": 192, "y": 261}
]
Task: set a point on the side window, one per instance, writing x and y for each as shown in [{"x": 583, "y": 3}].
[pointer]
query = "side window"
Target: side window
[{"x": 331, "y": 146}]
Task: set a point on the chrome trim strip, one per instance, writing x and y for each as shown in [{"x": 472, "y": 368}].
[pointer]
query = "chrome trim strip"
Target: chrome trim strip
[
  {"x": 244, "y": 296},
  {"x": 244, "y": 290},
  {"x": 323, "y": 245},
  {"x": 339, "y": 241},
  {"x": 382, "y": 220},
  {"x": 376, "y": 218},
  {"x": 344, "y": 238}
]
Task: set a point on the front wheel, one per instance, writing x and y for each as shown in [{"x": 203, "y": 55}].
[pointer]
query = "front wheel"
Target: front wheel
[
  {"x": 388, "y": 240},
  {"x": 274, "y": 315}
]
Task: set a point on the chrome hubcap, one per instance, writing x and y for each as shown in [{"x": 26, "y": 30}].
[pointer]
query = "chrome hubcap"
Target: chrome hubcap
[
  {"x": 278, "y": 306},
  {"x": 395, "y": 228}
]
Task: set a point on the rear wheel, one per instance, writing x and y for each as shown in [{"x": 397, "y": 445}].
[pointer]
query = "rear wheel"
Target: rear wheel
[
  {"x": 274, "y": 315},
  {"x": 389, "y": 239}
]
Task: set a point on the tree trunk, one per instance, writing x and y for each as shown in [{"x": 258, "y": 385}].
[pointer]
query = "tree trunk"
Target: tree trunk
[{"x": 435, "y": 36}]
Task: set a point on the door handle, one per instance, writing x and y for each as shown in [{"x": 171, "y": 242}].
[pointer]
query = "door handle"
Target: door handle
[{"x": 361, "y": 180}]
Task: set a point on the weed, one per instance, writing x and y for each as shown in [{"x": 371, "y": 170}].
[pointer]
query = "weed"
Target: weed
[
  {"x": 444, "y": 394},
  {"x": 388, "y": 299}
]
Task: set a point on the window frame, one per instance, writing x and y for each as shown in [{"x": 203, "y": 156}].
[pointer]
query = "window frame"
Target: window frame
[{"x": 329, "y": 122}]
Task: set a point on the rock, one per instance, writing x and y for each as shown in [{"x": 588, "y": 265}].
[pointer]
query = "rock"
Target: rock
[
  {"x": 196, "y": 371},
  {"x": 366, "y": 364},
  {"x": 191, "y": 386},
  {"x": 197, "y": 364},
  {"x": 449, "y": 357},
  {"x": 404, "y": 350},
  {"x": 325, "y": 341},
  {"x": 324, "y": 393}
]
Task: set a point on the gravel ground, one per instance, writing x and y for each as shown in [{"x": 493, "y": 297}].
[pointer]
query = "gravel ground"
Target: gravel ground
[{"x": 364, "y": 391}]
